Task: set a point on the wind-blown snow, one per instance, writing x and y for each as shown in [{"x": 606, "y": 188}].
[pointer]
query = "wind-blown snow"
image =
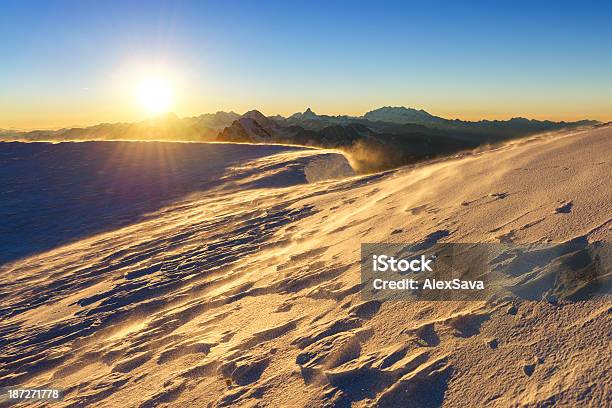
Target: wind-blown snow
[{"x": 53, "y": 194}]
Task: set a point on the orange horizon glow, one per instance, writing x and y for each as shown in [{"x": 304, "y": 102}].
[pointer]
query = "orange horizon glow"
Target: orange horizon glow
[{"x": 150, "y": 102}]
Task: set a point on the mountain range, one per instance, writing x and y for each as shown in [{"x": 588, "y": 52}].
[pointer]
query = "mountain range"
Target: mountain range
[
  {"x": 168, "y": 126},
  {"x": 382, "y": 138}
]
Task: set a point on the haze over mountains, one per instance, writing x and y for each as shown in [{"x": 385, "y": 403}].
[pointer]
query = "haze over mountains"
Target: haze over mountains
[
  {"x": 402, "y": 135},
  {"x": 164, "y": 127}
]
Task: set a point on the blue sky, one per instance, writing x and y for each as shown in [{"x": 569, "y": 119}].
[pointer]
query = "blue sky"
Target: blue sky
[{"x": 77, "y": 62}]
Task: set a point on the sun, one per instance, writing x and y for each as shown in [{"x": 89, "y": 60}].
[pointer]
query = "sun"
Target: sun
[{"x": 154, "y": 96}]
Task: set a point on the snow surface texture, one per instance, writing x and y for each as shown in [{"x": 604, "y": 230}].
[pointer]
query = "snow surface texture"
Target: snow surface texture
[
  {"x": 55, "y": 193},
  {"x": 244, "y": 291}
]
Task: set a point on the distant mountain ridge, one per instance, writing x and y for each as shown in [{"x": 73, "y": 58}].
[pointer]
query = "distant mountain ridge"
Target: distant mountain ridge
[
  {"x": 383, "y": 138},
  {"x": 168, "y": 126},
  {"x": 400, "y": 135},
  {"x": 207, "y": 126},
  {"x": 410, "y": 116}
]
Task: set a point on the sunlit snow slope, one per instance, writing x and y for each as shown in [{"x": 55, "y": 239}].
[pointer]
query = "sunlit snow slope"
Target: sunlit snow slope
[{"x": 245, "y": 291}]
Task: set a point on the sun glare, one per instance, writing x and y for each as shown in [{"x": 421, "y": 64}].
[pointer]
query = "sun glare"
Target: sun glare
[{"x": 155, "y": 96}]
